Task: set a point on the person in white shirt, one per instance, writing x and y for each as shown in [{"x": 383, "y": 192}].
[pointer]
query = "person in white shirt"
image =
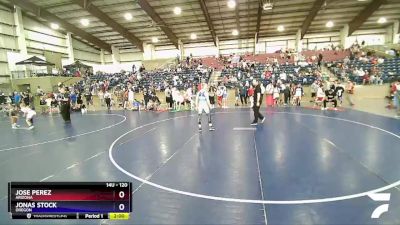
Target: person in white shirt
[
  {"x": 224, "y": 97},
  {"x": 298, "y": 94},
  {"x": 39, "y": 91},
  {"x": 203, "y": 106},
  {"x": 283, "y": 76},
  {"x": 131, "y": 98},
  {"x": 177, "y": 98},
  {"x": 269, "y": 91},
  {"x": 168, "y": 97},
  {"x": 360, "y": 72},
  {"x": 320, "y": 96},
  {"x": 188, "y": 97},
  {"x": 28, "y": 114},
  {"x": 397, "y": 96},
  {"x": 101, "y": 97},
  {"x": 276, "y": 92},
  {"x": 314, "y": 89}
]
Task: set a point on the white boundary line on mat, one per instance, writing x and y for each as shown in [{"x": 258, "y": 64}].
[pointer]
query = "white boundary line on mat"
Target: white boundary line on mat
[{"x": 74, "y": 136}]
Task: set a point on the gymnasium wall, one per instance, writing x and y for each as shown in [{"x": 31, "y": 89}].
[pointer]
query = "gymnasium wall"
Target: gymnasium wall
[
  {"x": 85, "y": 53},
  {"x": 41, "y": 39},
  {"x": 200, "y": 49},
  {"x": 7, "y": 41}
]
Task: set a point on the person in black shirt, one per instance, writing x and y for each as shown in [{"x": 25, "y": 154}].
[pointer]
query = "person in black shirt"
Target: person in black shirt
[
  {"x": 243, "y": 94},
  {"x": 25, "y": 98},
  {"x": 330, "y": 96},
  {"x": 146, "y": 97},
  {"x": 79, "y": 101},
  {"x": 65, "y": 106},
  {"x": 320, "y": 57},
  {"x": 339, "y": 90},
  {"x": 257, "y": 103},
  {"x": 88, "y": 97}
]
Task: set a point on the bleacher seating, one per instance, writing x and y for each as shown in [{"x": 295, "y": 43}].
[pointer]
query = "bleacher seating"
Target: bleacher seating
[
  {"x": 296, "y": 74},
  {"x": 157, "y": 79},
  {"x": 328, "y": 55},
  {"x": 212, "y": 62},
  {"x": 389, "y": 69},
  {"x": 186, "y": 78}
]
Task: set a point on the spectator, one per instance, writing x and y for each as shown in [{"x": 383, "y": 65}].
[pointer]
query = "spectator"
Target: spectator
[
  {"x": 168, "y": 97},
  {"x": 39, "y": 91}
]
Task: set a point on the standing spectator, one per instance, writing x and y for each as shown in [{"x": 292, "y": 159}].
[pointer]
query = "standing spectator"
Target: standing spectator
[
  {"x": 250, "y": 93},
  {"x": 17, "y": 99},
  {"x": 276, "y": 93},
  {"x": 168, "y": 97},
  {"x": 397, "y": 97},
  {"x": 225, "y": 97},
  {"x": 101, "y": 97},
  {"x": 211, "y": 95},
  {"x": 79, "y": 101},
  {"x": 350, "y": 92},
  {"x": 107, "y": 99},
  {"x": 14, "y": 116},
  {"x": 125, "y": 98},
  {"x": 39, "y": 91},
  {"x": 88, "y": 98},
  {"x": 286, "y": 94},
  {"x": 146, "y": 97},
  {"x": 243, "y": 94},
  {"x": 26, "y": 98},
  {"x": 320, "y": 57},
  {"x": 73, "y": 98},
  {"x": 269, "y": 90},
  {"x": 131, "y": 98},
  {"x": 237, "y": 96},
  {"x": 220, "y": 95},
  {"x": 314, "y": 89}
]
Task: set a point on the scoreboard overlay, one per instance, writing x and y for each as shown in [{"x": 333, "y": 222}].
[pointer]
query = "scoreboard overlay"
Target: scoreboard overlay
[{"x": 69, "y": 200}]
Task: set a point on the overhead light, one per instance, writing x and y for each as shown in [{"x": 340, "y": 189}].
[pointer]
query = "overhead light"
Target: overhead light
[
  {"x": 268, "y": 6},
  {"x": 177, "y": 10},
  {"x": 154, "y": 39},
  {"x": 235, "y": 32},
  {"x": 231, "y": 4},
  {"x": 54, "y": 26},
  {"x": 128, "y": 16},
  {"x": 362, "y": 0},
  {"x": 329, "y": 24},
  {"x": 382, "y": 20},
  {"x": 193, "y": 36},
  {"x": 85, "y": 22},
  {"x": 281, "y": 28}
]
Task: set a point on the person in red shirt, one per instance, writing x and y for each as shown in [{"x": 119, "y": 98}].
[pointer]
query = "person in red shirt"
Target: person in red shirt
[{"x": 250, "y": 93}]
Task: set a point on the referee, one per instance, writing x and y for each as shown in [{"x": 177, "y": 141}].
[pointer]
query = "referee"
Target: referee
[
  {"x": 65, "y": 107},
  {"x": 257, "y": 103}
]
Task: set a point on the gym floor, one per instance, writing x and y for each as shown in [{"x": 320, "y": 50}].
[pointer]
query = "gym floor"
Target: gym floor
[{"x": 301, "y": 166}]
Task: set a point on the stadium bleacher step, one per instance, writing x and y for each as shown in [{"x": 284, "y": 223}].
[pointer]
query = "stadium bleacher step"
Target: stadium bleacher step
[{"x": 215, "y": 77}]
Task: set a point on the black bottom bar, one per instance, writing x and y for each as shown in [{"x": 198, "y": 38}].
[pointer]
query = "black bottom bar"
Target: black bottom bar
[
  {"x": 58, "y": 216},
  {"x": 43, "y": 216}
]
